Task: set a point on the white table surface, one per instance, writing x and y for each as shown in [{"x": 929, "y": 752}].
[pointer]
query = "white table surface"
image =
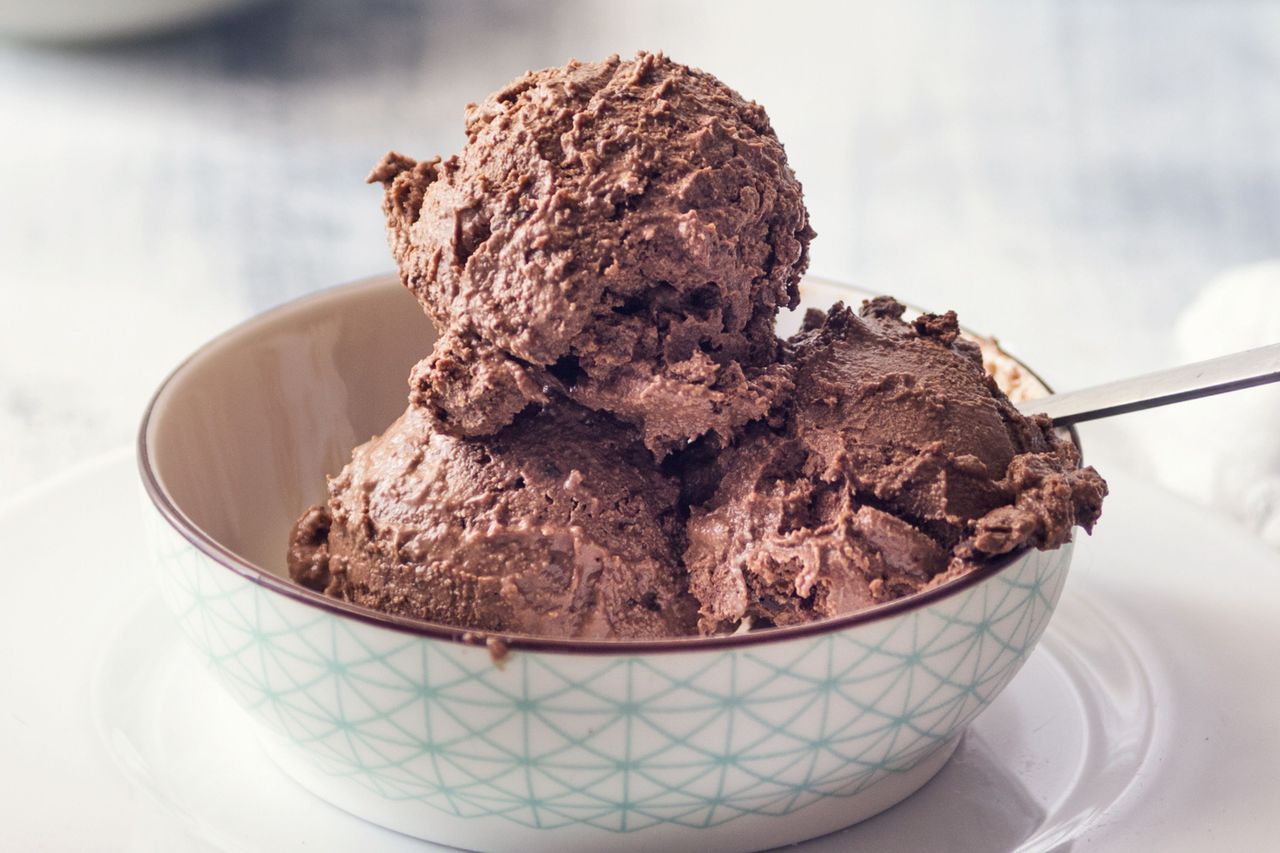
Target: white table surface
[{"x": 1065, "y": 174}]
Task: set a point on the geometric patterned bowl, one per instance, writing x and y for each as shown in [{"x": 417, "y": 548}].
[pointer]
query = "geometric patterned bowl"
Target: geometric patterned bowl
[{"x": 728, "y": 743}]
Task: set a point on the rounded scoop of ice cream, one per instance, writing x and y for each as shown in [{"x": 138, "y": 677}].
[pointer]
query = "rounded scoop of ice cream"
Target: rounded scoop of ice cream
[
  {"x": 559, "y": 526},
  {"x": 901, "y": 464},
  {"x": 623, "y": 232}
]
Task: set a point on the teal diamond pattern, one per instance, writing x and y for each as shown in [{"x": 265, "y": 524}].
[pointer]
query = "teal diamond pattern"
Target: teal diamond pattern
[{"x": 621, "y": 744}]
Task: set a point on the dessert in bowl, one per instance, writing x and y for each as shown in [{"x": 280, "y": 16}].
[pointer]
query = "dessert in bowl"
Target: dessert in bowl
[
  {"x": 630, "y": 570},
  {"x": 736, "y": 741}
]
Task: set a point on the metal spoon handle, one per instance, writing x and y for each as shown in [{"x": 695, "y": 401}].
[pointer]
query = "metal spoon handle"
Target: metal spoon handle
[{"x": 1198, "y": 379}]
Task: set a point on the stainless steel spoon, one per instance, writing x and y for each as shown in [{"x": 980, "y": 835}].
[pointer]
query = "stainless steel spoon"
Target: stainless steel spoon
[{"x": 1198, "y": 379}]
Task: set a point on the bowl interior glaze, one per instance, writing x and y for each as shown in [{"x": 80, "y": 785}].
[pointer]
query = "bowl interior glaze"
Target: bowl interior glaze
[{"x": 280, "y": 403}]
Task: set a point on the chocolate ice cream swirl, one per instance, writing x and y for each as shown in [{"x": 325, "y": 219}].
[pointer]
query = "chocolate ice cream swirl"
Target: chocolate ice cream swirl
[
  {"x": 560, "y": 526},
  {"x": 621, "y": 233},
  {"x": 901, "y": 464},
  {"x": 608, "y": 441}
]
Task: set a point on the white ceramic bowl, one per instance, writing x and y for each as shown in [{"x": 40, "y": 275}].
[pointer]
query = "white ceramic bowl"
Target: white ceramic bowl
[{"x": 728, "y": 743}]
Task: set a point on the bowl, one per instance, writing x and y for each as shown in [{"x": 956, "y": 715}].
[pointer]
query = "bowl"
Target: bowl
[{"x": 724, "y": 743}]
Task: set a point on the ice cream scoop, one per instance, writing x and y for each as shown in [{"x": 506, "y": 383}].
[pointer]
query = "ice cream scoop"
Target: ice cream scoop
[
  {"x": 622, "y": 233},
  {"x": 900, "y": 464},
  {"x": 559, "y": 527}
]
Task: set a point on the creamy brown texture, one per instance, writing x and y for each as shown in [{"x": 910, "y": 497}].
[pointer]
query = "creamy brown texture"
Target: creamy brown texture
[
  {"x": 900, "y": 464},
  {"x": 621, "y": 233},
  {"x": 560, "y": 526},
  {"x": 609, "y": 442}
]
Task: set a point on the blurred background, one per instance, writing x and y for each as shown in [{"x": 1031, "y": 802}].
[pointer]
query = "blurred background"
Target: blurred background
[{"x": 1096, "y": 183}]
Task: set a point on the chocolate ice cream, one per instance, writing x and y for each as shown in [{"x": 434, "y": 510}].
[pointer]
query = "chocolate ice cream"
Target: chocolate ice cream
[
  {"x": 560, "y": 526},
  {"x": 608, "y": 441},
  {"x": 619, "y": 232},
  {"x": 901, "y": 463}
]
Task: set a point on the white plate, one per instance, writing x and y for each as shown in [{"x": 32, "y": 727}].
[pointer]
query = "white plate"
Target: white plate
[{"x": 1148, "y": 719}]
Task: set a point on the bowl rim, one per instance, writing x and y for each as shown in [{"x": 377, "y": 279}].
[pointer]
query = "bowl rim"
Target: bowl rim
[{"x": 214, "y": 550}]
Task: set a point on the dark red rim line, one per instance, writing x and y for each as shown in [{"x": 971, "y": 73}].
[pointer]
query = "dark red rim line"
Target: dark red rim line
[{"x": 217, "y": 552}]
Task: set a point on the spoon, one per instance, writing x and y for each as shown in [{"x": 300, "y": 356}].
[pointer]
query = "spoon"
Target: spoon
[{"x": 1198, "y": 379}]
